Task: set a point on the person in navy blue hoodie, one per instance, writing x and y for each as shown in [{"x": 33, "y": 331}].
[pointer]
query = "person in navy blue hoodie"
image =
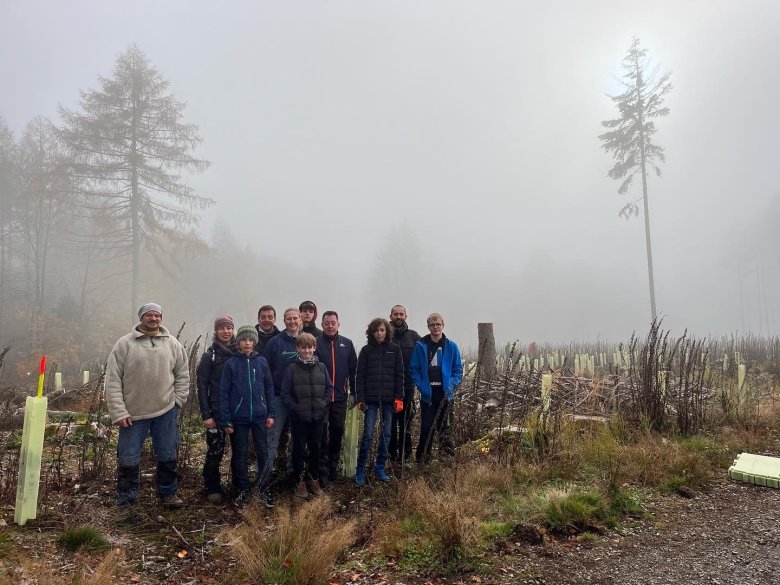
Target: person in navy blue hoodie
[
  {"x": 436, "y": 370},
  {"x": 338, "y": 354},
  {"x": 209, "y": 375},
  {"x": 379, "y": 385},
  {"x": 247, "y": 391},
  {"x": 280, "y": 353}
]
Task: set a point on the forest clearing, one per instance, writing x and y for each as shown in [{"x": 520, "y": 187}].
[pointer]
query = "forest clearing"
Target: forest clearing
[{"x": 618, "y": 474}]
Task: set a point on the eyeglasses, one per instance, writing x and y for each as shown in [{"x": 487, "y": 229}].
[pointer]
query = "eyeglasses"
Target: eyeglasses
[{"x": 435, "y": 324}]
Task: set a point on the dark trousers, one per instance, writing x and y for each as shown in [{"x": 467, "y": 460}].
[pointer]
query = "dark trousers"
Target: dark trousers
[
  {"x": 401, "y": 434},
  {"x": 434, "y": 420},
  {"x": 332, "y": 437},
  {"x": 215, "y": 450},
  {"x": 306, "y": 435},
  {"x": 239, "y": 442}
]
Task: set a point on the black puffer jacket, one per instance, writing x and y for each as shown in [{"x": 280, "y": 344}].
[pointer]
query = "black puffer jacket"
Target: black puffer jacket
[
  {"x": 306, "y": 389},
  {"x": 209, "y": 374},
  {"x": 380, "y": 373}
]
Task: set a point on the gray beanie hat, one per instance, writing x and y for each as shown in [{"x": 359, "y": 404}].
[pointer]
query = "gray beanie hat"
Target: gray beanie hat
[
  {"x": 247, "y": 332},
  {"x": 149, "y": 307}
]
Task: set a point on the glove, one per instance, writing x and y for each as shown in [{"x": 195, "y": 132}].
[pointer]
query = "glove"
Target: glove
[
  {"x": 399, "y": 405},
  {"x": 351, "y": 401}
]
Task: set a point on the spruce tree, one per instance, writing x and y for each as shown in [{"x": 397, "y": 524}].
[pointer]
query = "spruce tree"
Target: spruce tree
[{"x": 629, "y": 137}]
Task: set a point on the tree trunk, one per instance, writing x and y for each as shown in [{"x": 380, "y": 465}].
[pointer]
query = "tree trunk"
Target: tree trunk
[
  {"x": 135, "y": 219},
  {"x": 487, "y": 351},
  {"x": 643, "y": 164}
]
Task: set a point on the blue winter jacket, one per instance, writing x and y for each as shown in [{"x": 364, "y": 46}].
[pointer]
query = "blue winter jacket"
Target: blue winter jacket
[
  {"x": 451, "y": 369},
  {"x": 341, "y": 352},
  {"x": 246, "y": 390},
  {"x": 280, "y": 352}
]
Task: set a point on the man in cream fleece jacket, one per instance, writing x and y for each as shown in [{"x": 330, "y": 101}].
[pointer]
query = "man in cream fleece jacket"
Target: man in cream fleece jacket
[{"x": 147, "y": 382}]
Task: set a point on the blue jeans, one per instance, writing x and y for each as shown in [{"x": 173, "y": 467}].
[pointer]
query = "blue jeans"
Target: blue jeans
[
  {"x": 165, "y": 438},
  {"x": 369, "y": 422},
  {"x": 239, "y": 443},
  {"x": 275, "y": 432}
]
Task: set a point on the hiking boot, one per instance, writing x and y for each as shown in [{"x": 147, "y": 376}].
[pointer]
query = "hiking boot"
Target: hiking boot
[
  {"x": 360, "y": 477},
  {"x": 215, "y": 498},
  {"x": 172, "y": 502},
  {"x": 381, "y": 474},
  {"x": 242, "y": 499},
  {"x": 314, "y": 488},
  {"x": 268, "y": 500},
  {"x": 301, "y": 491}
]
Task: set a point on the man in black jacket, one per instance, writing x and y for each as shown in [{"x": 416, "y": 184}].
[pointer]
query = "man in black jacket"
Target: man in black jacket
[
  {"x": 405, "y": 338},
  {"x": 339, "y": 356},
  {"x": 266, "y": 327}
]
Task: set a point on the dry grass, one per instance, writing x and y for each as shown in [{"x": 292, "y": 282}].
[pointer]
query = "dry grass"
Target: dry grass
[
  {"x": 451, "y": 516},
  {"x": 106, "y": 572},
  {"x": 301, "y": 548}
]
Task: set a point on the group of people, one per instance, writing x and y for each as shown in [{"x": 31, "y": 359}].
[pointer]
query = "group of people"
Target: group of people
[{"x": 255, "y": 382}]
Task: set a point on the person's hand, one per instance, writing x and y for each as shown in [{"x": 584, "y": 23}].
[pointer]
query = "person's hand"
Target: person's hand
[
  {"x": 399, "y": 405},
  {"x": 209, "y": 423},
  {"x": 351, "y": 401},
  {"x": 269, "y": 422},
  {"x": 125, "y": 422},
  {"x": 228, "y": 430},
  {"x": 360, "y": 406}
]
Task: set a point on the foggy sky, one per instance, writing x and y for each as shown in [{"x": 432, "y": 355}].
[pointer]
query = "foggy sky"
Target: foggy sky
[{"x": 472, "y": 124}]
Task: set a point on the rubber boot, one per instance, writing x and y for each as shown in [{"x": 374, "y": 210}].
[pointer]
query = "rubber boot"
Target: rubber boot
[
  {"x": 360, "y": 476},
  {"x": 381, "y": 474},
  {"x": 127, "y": 483}
]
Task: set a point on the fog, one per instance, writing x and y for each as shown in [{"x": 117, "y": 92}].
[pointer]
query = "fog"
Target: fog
[{"x": 445, "y": 155}]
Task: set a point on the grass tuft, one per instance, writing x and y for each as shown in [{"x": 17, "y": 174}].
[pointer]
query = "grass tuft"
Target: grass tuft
[
  {"x": 301, "y": 549},
  {"x": 84, "y": 537}
]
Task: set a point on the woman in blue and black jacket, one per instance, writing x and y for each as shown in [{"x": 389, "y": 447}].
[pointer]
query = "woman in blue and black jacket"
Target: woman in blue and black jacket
[{"x": 247, "y": 393}]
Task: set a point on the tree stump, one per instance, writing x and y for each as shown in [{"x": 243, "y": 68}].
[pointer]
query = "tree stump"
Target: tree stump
[{"x": 487, "y": 351}]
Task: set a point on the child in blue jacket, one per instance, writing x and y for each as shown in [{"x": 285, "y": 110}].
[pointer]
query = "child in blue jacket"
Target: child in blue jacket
[{"x": 246, "y": 399}]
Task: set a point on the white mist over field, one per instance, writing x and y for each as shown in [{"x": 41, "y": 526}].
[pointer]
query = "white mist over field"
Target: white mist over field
[{"x": 445, "y": 156}]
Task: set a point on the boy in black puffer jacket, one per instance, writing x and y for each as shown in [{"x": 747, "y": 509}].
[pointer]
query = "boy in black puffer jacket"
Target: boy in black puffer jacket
[
  {"x": 209, "y": 374},
  {"x": 306, "y": 391},
  {"x": 247, "y": 392}
]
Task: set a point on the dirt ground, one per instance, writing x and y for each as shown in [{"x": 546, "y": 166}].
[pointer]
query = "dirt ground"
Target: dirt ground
[{"x": 727, "y": 534}]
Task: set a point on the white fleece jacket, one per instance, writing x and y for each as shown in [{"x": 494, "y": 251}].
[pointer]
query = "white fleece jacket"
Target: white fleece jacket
[{"x": 146, "y": 376}]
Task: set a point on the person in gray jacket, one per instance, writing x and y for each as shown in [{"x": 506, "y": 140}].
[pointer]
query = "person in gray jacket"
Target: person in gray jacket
[{"x": 147, "y": 382}]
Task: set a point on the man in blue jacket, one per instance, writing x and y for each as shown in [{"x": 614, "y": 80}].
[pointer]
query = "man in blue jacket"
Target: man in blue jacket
[
  {"x": 339, "y": 356},
  {"x": 280, "y": 353},
  {"x": 436, "y": 369}
]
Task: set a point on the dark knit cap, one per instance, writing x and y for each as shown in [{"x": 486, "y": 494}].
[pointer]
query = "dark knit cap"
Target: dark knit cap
[
  {"x": 247, "y": 332},
  {"x": 223, "y": 320}
]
